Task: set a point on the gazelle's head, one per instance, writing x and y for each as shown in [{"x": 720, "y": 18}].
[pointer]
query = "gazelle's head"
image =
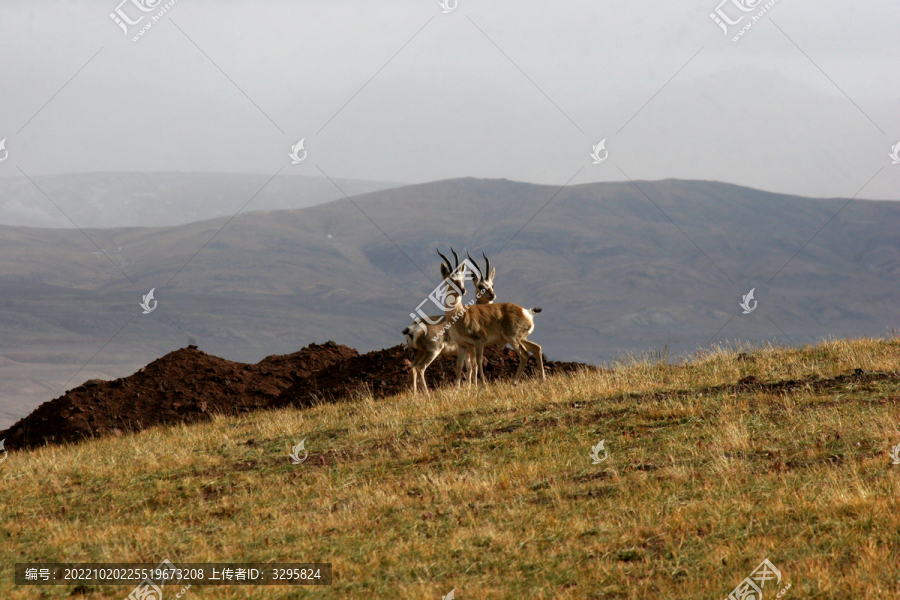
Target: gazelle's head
[
  {"x": 484, "y": 286},
  {"x": 452, "y": 272}
]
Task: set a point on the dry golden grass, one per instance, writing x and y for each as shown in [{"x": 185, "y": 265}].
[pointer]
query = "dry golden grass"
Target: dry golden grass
[{"x": 491, "y": 492}]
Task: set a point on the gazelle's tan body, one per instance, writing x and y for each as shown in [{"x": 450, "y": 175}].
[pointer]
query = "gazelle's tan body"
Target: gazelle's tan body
[
  {"x": 474, "y": 327},
  {"x": 478, "y": 326}
]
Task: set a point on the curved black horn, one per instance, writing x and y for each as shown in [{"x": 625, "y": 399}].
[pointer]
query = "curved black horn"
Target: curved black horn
[
  {"x": 446, "y": 260},
  {"x": 456, "y": 256},
  {"x": 477, "y": 268},
  {"x": 487, "y": 264}
]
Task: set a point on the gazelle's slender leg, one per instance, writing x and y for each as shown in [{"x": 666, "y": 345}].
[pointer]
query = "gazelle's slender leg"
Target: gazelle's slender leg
[
  {"x": 415, "y": 369},
  {"x": 523, "y": 361},
  {"x": 460, "y": 361},
  {"x": 536, "y": 351},
  {"x": 479, "y": 362},
  {"x": 430, "y": 354}
]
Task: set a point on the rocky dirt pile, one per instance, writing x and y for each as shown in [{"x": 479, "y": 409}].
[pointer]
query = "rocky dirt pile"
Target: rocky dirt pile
[
  {"x": 189, "y": 385},
  {"x": 183, "y": 386},
  {"x": 387, "y": 372}
]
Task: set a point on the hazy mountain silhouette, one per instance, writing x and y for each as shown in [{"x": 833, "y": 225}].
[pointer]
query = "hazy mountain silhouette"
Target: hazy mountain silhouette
[{"x": 160, "y": 199}]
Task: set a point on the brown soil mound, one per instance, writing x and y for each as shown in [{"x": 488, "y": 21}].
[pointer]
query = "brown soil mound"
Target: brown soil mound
[
  {"x": 189, "y": 385},
  {"x": 387, "y": 372},
  {"x": 183, "y": 386}
]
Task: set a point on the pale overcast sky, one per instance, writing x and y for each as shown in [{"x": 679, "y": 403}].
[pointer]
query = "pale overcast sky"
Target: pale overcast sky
[{"x": 805, "y": 102}]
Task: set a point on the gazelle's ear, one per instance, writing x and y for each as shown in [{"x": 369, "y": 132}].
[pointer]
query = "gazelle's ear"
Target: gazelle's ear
[{"x": 491, "y": 276}]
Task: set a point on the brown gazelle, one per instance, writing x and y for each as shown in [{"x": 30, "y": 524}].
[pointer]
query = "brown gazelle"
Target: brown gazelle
[
  {"x": 474, "y": 327},
  {"x": 432, "y": 340}
]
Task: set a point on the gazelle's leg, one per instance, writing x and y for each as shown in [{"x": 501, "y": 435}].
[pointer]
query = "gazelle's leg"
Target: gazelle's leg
[
  {"x": 417, "y": 360},
  {"x": 536, "y": 351},
  {"x": 479, "y": 361},
  {"x": 430, "y": 355},
  {"x": 460, "y": 360},
  {"x": 523, "y": 361}
]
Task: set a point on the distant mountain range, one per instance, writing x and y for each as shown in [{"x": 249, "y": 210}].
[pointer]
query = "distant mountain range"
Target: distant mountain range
[
  {"x": 160, "y": 199},
  {"x": 617, "y": 267}
]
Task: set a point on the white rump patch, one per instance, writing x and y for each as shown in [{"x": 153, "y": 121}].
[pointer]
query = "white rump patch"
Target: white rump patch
[{"x": 415, "y": 332}]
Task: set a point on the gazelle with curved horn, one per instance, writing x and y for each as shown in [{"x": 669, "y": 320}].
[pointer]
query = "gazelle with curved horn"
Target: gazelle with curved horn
[
  {"x": 474, "y": 327},
  {"x": 432, "y": 340},
  {"x": 484, "y": 286}
]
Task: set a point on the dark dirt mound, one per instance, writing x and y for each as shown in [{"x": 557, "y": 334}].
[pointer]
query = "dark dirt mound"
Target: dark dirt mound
[
  {"x": 188, "y": 385},
  {"x": 387, "y": 372},
  {"x": 183, "y": 386}
]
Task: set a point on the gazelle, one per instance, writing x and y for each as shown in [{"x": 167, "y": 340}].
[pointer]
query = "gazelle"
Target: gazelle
[
  {"x": 432, "y": 340},
  {"x": 474, "y": 327}
]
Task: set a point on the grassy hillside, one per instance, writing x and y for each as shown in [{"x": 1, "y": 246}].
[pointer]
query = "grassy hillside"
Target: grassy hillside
[{"x": 492, "y": 492}]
